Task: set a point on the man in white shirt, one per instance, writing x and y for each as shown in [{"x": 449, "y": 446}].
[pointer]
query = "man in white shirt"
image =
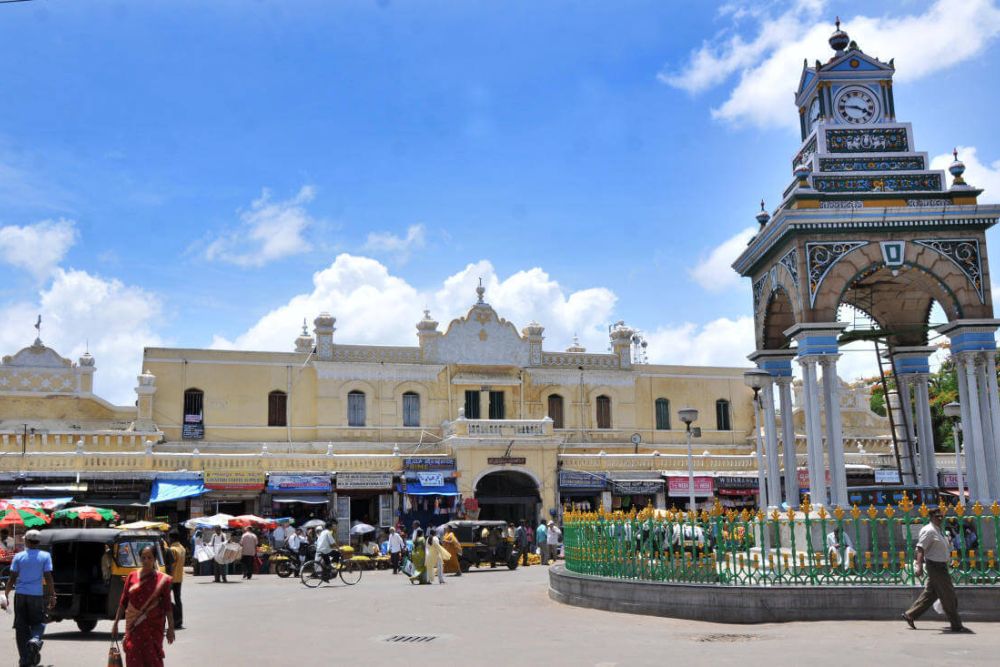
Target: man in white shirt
[
  {"x": 934, "y": 551},
  {"x": 278, "y": 536},
  {"x": 217, "y": 544},
  {"x": 552, "y": 538},
  {"x": 294, "y": 540},
  {"x": 396, "y": 546},
  {"x": 325, "y": 545}
]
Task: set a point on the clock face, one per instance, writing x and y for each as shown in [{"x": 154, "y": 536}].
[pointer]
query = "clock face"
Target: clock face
[
  {"x": 857, "y": 106},
  {"x": 813, "y": 113}
]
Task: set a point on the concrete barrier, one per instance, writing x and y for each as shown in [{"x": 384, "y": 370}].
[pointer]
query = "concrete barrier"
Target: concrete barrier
[{"x": 759, "y": 604}]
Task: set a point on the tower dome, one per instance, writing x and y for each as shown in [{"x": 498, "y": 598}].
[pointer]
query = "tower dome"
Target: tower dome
[
  {"x": 763, "y": 216},
  {"x": 428, "y": 324},
  {"x": 839, "y": 39}
]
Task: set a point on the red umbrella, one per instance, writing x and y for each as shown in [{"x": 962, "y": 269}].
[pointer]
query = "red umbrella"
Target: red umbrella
[
  {"x": 23, "y": 517},
  {"x": 251, "y": 520}
]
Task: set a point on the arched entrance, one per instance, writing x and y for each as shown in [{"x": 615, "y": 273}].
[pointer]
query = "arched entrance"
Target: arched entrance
[{"x": 508, "y": 495}]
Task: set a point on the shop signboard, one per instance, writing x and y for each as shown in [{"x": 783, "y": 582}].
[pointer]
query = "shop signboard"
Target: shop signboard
[
  {"x": 234, "y": 480},
  {"x": 678, "y": 486},
  {"x": 506, "y": 460},
  {"x": 431, "y": 478},
  {"x": 428, "y": 463},
  {"x": 364, "y": 480},
  {"x": 576, "y": 479},
  {"x": 193, "y": 428},
  {"x": 636, "y": 487},
  {"x": 197, "y": 507},
  {"x": 735, "y": 486},
  {"x": 299, "y": 483},
  {"x": 888, "y": 476},
  {"x": 803, "y": 475}
]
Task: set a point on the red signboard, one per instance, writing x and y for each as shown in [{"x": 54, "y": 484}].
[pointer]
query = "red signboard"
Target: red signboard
[
  {"x": 803, "y": 474},
  {"x": 678, "y": 486}
]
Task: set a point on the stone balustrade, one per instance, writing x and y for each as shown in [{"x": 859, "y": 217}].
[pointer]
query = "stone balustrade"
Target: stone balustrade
[{"x": 499, "y": 428}]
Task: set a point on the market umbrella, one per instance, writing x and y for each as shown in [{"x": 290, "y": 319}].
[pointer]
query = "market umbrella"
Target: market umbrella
[
  {"x": 220, "y": 520},
  {"x": 22, "y": 517},
  {"x": 362, "y": 529},
  {"x": 245, "y": 520},
  {"x": 86, "y": 513},
  {"x": 313, "y": 523},
  {"x": 144, "y": 525}
]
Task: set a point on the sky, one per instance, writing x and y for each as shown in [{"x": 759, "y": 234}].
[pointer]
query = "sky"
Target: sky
[{"x": 194, "y": 174}]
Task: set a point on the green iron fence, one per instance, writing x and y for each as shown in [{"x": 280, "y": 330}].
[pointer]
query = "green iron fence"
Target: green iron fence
[{"x": 808, "y": 547}]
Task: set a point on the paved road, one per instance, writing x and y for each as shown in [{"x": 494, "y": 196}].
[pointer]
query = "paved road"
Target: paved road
[{"x": 489, "y": 618}]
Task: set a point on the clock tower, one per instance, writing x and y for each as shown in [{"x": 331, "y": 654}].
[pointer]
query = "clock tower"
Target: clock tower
[{"x": 865, "y": 222}]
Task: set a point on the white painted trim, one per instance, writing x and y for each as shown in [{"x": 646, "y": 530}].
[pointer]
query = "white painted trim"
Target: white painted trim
[{"x": 220, "y": 362}]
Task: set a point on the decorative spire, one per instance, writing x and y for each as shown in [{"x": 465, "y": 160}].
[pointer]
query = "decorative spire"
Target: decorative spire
[
  {"x": 305, "y": 328},
  {"x": 427, "y": 324},
  {"x": 839, "y": 39},
  {"x": 480, "y": 291},
  {"x": 957, "y": 168},
  {"x": 763, "y": 216}
]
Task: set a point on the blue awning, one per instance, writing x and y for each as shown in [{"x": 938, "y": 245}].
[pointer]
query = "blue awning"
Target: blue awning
[
  {"x": 417, "y": 489},
  {"x": 166, "y": 490}
]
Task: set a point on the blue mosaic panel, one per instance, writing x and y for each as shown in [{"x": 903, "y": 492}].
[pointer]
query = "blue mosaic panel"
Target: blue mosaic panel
[
  {"x": 880, "y": 183},
  {"x": 915, "y": 163},
  {"x": 872, "y": 140},
  {"x": 805, "y": 154}
]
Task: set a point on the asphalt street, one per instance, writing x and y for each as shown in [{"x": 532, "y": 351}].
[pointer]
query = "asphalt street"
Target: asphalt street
[{"x": 490, "y": 618}]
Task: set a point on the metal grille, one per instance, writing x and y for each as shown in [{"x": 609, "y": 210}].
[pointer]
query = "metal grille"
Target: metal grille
[{"x": 410, "y": 639}]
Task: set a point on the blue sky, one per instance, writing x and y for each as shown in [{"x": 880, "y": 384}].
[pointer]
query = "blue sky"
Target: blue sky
[{"x": 195, "y": 174}]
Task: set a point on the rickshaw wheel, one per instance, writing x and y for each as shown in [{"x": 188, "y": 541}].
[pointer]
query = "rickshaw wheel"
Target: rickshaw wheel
[{"x": 86, "y": 626}]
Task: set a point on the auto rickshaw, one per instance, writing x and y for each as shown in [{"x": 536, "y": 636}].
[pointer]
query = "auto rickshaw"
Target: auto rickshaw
[
  {"x": 89, "y": 567},
  {"x": 484, "y": 543}
]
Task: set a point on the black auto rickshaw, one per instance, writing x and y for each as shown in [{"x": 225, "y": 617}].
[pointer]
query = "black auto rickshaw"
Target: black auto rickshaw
[
  {"x": 89, "y": 566},
  {"x": 484, "y": 543}
]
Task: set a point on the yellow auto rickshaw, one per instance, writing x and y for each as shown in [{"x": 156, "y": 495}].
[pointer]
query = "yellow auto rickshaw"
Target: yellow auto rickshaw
[{"x": 89, "y": 567}]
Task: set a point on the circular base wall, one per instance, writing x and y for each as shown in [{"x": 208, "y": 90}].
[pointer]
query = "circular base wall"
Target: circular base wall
[{"x": 756, "y": 604}]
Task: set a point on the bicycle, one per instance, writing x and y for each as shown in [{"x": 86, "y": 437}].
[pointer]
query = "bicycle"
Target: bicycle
[{"x": 317, "y": 572}]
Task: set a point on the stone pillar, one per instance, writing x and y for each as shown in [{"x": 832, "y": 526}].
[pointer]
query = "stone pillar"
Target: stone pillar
[
  {"x": 815, "y": 341},
  {"x": 834, "y": 430},
  {"x": 323, "y": 327},
  {"x": 905, "y": 430},
  {"x": 989, "y": 427},
  {"x": 975, "y": 461},
  {"x": 85, "y": 370},
  {"x": 778, "y": 363},
  {"x": 912, "y": 371}
]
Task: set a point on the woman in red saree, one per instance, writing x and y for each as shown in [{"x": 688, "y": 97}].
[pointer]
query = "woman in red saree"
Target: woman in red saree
[{"x": 146, "y": 605}]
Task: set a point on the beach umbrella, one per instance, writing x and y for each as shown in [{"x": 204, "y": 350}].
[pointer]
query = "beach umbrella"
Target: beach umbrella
[
  {"x": 22, "y": 517},
  {"x": 313, "y": 523},
  {"x": 86, "y": 513},
  {"x": 145, "y": 525},
  {"x": 362, "y": 529},
  {"x": 252, "y": 520}
]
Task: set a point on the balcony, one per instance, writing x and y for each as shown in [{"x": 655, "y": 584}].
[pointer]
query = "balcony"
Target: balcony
[{"x": 499, "y": 428}]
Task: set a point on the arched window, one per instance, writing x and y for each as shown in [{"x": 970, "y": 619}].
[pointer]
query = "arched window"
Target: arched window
[
  {"x": 662, "y": 414},
  {"x": 277, "y": 406},
  {"x": 556, "y": 410},
  {"x": 193, "y": 427},
  {"x": 411, "y": 408},
  {"x": 603, "y": 412},
  {"x": 723, "y": 421},
  {"x": 356, "y": 408}
]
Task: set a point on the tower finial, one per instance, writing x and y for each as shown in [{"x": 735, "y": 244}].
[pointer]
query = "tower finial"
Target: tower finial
[
  {"x": 839, "y": 39},
  {"x": 763, "y": 216},
  {"x": 837, "y": 23},
  {"x": 305, "y": 329},
  {"x": 955, "y": 152},
  {"x": 480, "y": 291}
]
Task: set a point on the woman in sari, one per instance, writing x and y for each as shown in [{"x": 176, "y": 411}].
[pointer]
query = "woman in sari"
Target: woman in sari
[
  {"x": 417, "y": 558},
  {"x": 146, "y": 605}
]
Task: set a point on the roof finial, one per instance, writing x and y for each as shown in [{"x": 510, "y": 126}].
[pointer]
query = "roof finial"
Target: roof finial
[
  {"x": 763, "y": 216},
  {"x": 956, "y": 169},
  {"x": 955, "y": 152},
  {"x": 837, "y": 23},
  {"x": 305, "y": 329},
  {"x": 480, "y": 291},
  {"x": 839, "y": 39}
]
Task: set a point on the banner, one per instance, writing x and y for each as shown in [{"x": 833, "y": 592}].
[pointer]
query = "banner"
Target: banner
[
  {"x": 803, "y": 474},
  {"x": 678, "y": 486},
  {"x": 636, "y": 487},
  {"x": 364, "y": 480},
  {"x": 431, "y": 478},
  {"x": 234, "y": 480},
  {"x": 890, "y": 476},
  {"x": 298, "y": 483},
  {"x": 428, "y": 463},
  {"x": 575, "y": 479}
]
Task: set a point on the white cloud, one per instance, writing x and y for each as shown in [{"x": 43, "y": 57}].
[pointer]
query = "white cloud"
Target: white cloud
[
  {"x": 372, "y": 306},
  {"x": 270, "y": 230},
  {"x": 721, "y": 342},
  {"x": 977, "y": 174},
  {"x": 37, "y": 248},
  {"x": 715, "y": 273},
  {"x": 947, "y": 33},
  {"x": 77, "y": 307},
  {"x": 397, "y": 246}
]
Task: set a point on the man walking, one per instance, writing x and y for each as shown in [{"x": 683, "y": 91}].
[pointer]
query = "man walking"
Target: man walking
[
  {"x": 521, "y": 541},
  {"x": 552, "y": 537},
  {"x": 933, "y": 551},
  {"x": 542, "y": 540},
  {"x": 218, "y": 544},
  {"x": 396, "y": 546},
  {"x": 30, "y": 574},
  {"x": 248, "y": 551},
  {"x": 177, "y": 577}
]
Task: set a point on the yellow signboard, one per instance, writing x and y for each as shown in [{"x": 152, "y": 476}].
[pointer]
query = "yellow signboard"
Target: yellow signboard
[{"x": 243, "y": 480}]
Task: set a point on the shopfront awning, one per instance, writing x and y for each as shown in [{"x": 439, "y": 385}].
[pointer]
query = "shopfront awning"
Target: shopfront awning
[
  {"x": 167, "y": 490},
  {"x": 305, "y": 500},
  {"x": 418, "y": 489}
]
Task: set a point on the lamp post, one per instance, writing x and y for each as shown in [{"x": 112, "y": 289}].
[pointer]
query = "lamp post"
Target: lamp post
[
  {"x": 689, "y": 416},
  {"x": 953, "y": 411},
  {"x": 755, "y": 379}
]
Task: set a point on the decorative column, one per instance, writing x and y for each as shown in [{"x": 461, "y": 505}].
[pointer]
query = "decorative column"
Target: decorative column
[
  {"x": 913, "y": 370},
  {"x": 973, "y": 344},
  {"x": 905, "y": 429},
  {"x": 778, "y": 363},
  {"x": 817, "y": 341}
]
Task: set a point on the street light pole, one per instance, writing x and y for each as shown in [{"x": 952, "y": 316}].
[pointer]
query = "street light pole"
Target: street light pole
[
  {"x": 689, "y": 416},
  {"x": 755, "y": 380}
]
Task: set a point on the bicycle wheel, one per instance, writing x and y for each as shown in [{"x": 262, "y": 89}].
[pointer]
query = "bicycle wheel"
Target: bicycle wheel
[
  {"x": 350, "y": 572},
  {"x": 312, "y": 574}
]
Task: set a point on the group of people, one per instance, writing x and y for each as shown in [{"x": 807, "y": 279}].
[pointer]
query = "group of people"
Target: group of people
[{"x": 428, "y": 554}]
